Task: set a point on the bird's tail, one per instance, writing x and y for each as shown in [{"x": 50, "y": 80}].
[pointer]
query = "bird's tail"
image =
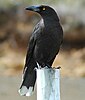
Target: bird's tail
[{"x": 28, "y": 82}]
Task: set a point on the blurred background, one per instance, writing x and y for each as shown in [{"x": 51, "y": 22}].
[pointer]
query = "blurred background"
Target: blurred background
[{"x": 16, "y": 26}]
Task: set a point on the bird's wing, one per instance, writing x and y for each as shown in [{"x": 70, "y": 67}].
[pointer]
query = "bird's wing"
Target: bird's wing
[
  {"x": 32, "y": 43},
  {"x": 30, "y": 49}
]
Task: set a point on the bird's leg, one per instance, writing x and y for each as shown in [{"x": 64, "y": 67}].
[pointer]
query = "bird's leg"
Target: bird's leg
[
  {"x": 38, "y": 66},
  {"x": 46, "y": 66}
]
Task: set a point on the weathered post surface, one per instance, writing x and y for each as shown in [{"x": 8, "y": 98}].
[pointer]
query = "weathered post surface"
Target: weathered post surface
[{"x": 48, "y": 84}]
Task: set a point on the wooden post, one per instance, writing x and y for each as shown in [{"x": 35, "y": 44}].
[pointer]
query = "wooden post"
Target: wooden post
[{"x": 48, "y": 84}]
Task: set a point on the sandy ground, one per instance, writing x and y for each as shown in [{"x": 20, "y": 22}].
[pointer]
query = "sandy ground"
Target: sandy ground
[{"x": 71, "y": 88}]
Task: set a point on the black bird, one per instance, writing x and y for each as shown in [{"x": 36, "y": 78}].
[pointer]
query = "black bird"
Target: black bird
[{"x": 44, "y": 45}]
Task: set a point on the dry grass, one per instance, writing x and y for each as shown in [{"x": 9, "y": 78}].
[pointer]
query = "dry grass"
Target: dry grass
[
  {"x": 72, "y": 63},
  {"x": 11, "y": 61}
]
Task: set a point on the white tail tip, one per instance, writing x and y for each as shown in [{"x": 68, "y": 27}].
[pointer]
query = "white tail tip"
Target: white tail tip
[{"x": 26, "y": 92}]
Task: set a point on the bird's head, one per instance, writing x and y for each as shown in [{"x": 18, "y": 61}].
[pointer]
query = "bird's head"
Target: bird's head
[
  {"x": 37, "y": 9},
  {"x": 43, "y": 10}
]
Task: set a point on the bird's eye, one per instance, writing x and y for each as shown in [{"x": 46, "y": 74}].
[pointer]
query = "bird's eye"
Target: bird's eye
[{"x": 44, "y": 8}]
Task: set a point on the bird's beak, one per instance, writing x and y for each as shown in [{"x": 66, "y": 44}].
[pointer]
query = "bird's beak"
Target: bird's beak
[{"x": 33, "y": 8}]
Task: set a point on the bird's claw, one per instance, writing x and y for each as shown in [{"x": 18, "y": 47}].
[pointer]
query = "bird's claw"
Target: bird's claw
[{"x": 58, "y": 67}]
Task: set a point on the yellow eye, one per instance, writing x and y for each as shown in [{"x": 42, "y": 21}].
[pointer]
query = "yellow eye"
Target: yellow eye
[{"x": 43, "y": 8}]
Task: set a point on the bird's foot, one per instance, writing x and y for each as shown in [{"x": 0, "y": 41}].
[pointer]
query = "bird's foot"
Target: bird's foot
[
  {"x": 38, "y": 66},
  {"x": 58, "y": 67}
]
